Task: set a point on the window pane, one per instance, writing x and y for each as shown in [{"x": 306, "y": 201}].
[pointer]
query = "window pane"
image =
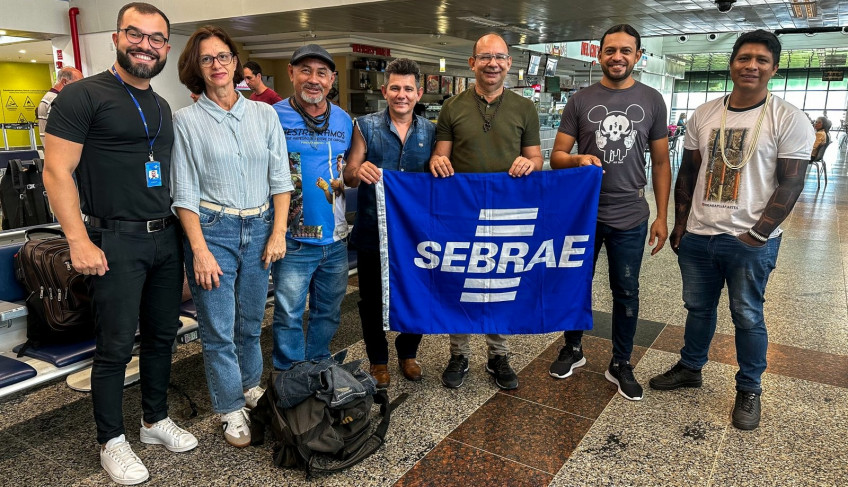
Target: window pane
[
  {"x": 816, "y": 82},
  {"x": 778, "y": 81},
  {"x": 781, "y": 94},
  {"x": 698, "y": 82},
  {"x": 697, "y": 99},
  {"x": 840, "y": 85},
  {"x": 836, "y": 100},
  {"x": 717, "y": 82},
  {"x": 681, "y": 85},
  {"x": 797, "y": 80},
  {"x": 796, "y": 98},
  {"x": 712, "y": 95},
  {"x": 680, "y": 100},
  {"x": 815, "y": 100}
]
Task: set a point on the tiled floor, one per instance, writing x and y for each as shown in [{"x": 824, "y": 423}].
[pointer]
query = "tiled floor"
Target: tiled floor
[{"x": 571, "y": 432}]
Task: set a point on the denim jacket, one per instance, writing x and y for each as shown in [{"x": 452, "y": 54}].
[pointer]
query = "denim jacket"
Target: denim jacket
[
  {"x": 330, "y": 380},
  {"x": 385, "y": 150}
]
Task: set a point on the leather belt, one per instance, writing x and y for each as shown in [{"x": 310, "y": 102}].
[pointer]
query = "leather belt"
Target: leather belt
[
  {"x": 128, "y": 226},
  {"x": 235, "y": 211}
]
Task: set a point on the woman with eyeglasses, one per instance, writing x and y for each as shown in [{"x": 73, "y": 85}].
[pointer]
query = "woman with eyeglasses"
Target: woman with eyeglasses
[{"x": 229, "y": 159}]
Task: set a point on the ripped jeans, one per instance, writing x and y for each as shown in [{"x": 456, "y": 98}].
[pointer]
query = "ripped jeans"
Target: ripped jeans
[{"x": 624, "y": 255}]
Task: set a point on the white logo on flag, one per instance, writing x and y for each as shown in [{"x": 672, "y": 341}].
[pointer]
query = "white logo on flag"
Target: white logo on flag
[{"x": 505, "y": 227}]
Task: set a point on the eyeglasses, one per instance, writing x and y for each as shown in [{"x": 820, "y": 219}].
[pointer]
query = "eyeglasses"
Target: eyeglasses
[
  {"x": 487, "y": 58},
  {"x": 135, "y": 36},
  {"x": 224, "y": 58}
]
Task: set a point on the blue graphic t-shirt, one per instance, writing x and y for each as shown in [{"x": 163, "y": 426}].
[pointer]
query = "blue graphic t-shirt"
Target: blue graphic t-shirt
[{"x": 316, "y": 163}]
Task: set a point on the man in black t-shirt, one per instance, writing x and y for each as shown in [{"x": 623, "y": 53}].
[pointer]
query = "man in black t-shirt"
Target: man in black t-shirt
[{"x": 115, "y": 134}]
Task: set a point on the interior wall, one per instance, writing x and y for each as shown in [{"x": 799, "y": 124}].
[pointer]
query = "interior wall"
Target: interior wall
[{"x": 22, "y": 85}]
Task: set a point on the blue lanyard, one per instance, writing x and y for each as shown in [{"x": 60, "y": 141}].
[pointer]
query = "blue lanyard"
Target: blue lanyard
[{"x": 141, "y": 112}]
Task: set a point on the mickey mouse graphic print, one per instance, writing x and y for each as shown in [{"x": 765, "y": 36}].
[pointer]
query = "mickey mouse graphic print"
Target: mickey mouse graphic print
[{"x": 617, "y": 127}]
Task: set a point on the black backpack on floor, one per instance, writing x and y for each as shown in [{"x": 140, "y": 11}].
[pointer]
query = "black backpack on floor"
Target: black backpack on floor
[
  {"x": 319, "y": 438},
  {"x": 23, "y": 198}
]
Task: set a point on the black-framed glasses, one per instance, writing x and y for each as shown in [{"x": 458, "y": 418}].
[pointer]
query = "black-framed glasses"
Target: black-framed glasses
[
  {"x": 487, "y": 58},
  {"x": 135, "y": 36},
  {"x": 224, "y": 58}
]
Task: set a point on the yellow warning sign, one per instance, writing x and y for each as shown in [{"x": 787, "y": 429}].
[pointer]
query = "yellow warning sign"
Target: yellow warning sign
[
  {"x": 28, "y": 103},
  {"x": 10, "y": 104},
  {"x": 22, "y": 119}
]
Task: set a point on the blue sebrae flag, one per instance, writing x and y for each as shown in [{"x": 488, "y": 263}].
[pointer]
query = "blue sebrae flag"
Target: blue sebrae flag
[{"x": 488, "y": 253}]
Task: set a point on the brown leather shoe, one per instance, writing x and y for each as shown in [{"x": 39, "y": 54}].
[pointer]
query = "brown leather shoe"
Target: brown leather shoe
[
  {"x": 381, "y": 374},
  {"x": 410, "y": 368}
]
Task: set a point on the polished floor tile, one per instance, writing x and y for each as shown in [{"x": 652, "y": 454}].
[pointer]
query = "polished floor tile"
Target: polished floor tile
[
  {"x": 524, "y": 431},
  {"x": 453, "y": 463}
]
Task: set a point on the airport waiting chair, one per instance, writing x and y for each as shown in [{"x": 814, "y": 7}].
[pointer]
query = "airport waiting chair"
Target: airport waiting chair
[{"x": 821, "y": 167}]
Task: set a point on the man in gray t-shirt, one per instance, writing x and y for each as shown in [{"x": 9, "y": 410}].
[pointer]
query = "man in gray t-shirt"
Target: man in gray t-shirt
[{"x": 614, "y": 122}]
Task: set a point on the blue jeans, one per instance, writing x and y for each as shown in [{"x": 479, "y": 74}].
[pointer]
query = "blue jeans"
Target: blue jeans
[
  {"x": 320, "y": 270},
  {"x": 624, "y": 256},
  {"x": 706, "y": 263},
  {"x": 230, "y": 316}
]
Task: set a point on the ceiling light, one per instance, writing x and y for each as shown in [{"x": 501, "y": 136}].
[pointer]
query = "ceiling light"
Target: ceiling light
[
  {"x": 483, "y": 21},
  {"x": 33, "y": 61},
  {"x": 22, "y": 51},
  {"x": 2, "y": 32}
]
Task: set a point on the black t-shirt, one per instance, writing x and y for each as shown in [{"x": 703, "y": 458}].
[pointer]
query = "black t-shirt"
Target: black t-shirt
[{"x": 99, "y": 113}]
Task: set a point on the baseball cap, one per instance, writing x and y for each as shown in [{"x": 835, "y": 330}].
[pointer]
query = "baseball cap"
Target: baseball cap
[{"x": 312, "y": 50}]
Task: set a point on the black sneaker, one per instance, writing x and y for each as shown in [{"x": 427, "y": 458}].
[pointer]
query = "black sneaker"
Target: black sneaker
[
  {"x": 746, "y": 411},
  {"x": 621, "y": 374},
  {"x": 569, "y": 359},
  {"x": 505, "y": 377},
  {"x": 455, "y": 372},
  {"x": 677, "y": 377}
]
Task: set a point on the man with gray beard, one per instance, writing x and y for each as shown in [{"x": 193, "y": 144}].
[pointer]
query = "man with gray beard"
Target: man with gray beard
[
  {"x": 115, "y": 134},
  {"x": 317, "y": 133}
]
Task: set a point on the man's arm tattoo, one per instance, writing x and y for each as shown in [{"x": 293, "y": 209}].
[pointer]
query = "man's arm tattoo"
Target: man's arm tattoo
[
  {"x": 790, "y": 182},
  {"x": 684, "y": 188}
]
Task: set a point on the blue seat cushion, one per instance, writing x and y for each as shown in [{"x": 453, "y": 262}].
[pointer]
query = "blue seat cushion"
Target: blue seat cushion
[
  {"x": 13, "y": 371},
  {"x": 10, "y": 289},
  {"x": 61, "y": 355}
]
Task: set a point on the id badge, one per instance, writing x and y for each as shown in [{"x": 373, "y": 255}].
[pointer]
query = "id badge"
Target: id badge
[{"x": 153, "y": 172}]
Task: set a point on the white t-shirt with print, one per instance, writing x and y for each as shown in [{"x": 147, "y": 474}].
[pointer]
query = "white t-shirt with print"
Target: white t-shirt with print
[{"x": 732, "y": 201}]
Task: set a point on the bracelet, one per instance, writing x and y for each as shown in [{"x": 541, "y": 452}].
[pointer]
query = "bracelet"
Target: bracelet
[{"x": 757, "y": 236}]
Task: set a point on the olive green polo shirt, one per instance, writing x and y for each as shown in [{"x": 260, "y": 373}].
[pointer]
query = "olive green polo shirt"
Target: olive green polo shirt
[{"x": 515, "y": 125}]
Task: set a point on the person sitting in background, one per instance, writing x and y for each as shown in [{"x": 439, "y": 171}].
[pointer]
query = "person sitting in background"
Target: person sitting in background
[
  {"x": 229, "y": 158},
  {"x": 822, "y": 126},
  {"x": 681, "y": 124}
]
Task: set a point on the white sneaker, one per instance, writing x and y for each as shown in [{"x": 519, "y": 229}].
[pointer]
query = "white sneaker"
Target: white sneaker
[
  {"x": 236, "y": 428},
  {"x": 121, "y": 463},
  {"x": 167, "y": 433},
  {"x": 251, "y": 397}
]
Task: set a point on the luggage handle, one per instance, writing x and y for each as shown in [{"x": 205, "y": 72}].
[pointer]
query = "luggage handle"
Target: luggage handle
[{"x": 55, "y": 232}]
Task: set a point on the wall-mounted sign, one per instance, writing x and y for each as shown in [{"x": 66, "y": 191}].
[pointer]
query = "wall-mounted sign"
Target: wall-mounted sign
[
  {"x": 533, "y": 67},
  {"x": 372, "y": 50},
  {"x": 833, "y": 75},
  {"x": 589, "y": 49}
]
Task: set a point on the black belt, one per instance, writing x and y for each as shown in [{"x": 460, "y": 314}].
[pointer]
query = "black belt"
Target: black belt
[{"x": 148, "y": 226}]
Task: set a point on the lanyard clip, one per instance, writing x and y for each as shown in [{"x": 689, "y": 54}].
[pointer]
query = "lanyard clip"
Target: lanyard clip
[{"x": 150, "y": 154}]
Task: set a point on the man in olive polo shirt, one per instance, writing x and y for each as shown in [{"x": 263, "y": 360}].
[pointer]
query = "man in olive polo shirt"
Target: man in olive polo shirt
[{"x": 486, "y": 128}]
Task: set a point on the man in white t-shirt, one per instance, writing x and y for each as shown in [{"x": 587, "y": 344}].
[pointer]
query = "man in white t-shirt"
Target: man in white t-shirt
[{"x": 743, "y": 168}]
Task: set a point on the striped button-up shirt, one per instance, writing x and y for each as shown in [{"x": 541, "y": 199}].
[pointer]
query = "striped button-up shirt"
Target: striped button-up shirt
[{"x": 235, "y": 158}]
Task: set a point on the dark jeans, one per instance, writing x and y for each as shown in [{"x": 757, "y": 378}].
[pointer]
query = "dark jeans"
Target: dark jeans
[
  {"x": 706, "y": 264},
  {"x": 141, "y": 290},
  {"x": 371, "y": 313},
  {"x": 624, "y": 255}
]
